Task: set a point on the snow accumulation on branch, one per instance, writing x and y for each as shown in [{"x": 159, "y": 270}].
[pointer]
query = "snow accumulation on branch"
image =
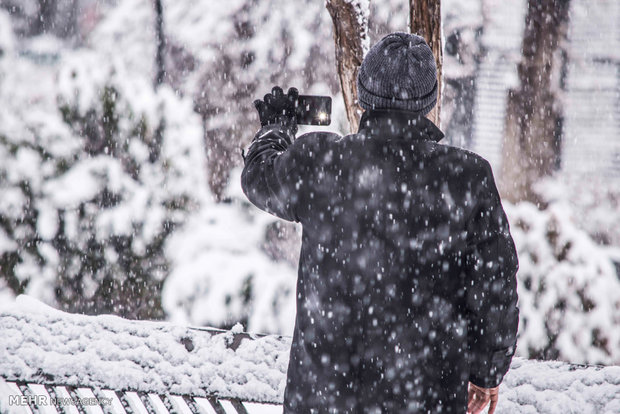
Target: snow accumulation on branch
[
  {"x": 43, "y": 345},
  {"x": 362, "y": 10}
]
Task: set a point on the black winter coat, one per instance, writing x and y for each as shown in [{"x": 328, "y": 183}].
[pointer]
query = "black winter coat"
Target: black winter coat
[{"x": 406, "y": 288}]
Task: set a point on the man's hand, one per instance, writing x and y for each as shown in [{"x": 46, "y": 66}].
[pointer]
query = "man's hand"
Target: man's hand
[
  {"x": 277, "y": 108},
  {"x": 479, "y": 397}
]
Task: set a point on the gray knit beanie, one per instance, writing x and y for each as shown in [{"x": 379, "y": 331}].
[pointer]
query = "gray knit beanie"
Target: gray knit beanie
[{"x": 399, "y": 72}]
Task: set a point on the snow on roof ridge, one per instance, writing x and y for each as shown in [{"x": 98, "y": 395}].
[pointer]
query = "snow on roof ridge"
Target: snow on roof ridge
[{"x": 43, "y": 345}]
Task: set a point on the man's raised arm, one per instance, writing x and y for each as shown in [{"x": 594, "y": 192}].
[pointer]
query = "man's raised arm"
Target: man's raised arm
[{"x": 269, "y": 178}]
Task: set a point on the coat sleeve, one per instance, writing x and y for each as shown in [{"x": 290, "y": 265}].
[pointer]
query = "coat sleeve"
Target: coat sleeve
[
  {"x": 270, "y": 178},
  {"x": 491, "y": 287}
]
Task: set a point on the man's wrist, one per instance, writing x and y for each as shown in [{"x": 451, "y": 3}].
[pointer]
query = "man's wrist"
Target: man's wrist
[
  {"x": 486, "y": 390},
  {"x": 485, "y": 382},
  {"x": 275, "y": 133}
]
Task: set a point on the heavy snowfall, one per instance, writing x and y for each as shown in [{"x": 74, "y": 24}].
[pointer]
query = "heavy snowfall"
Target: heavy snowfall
[{"x": 121, "y": 138}]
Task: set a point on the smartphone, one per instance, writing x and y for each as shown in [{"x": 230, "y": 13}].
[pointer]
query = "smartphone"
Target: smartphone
[{"x": 313, "y": 110}]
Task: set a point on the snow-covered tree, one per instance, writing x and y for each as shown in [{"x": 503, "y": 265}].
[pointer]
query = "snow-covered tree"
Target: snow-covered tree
[
  {"x": 94, "y": 203},
  {"x": 569, "y": 306}
]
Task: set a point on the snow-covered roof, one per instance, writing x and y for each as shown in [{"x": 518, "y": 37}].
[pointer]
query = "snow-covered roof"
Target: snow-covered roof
[{"x": 43, "y": 345}]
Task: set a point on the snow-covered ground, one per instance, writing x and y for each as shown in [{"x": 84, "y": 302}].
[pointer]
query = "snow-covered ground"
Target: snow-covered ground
[
  {"x": 41, "y": 344},
  {"x": 213, "y": 266}
]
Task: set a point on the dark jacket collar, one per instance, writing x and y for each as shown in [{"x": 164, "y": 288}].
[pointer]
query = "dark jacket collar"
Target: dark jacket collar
[{"x": 393, "y": 123}]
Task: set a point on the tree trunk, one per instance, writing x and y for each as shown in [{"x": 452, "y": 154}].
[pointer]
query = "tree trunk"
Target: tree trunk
[
  {"x": 160, "y": 68},
  {"x": 425, "y": 21},
  {"x": 533, "y": 125},
  {"x": 350, "y": 20},
  {"x": 47, "y": 13},
  {"x": 224, "y": 81}
]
